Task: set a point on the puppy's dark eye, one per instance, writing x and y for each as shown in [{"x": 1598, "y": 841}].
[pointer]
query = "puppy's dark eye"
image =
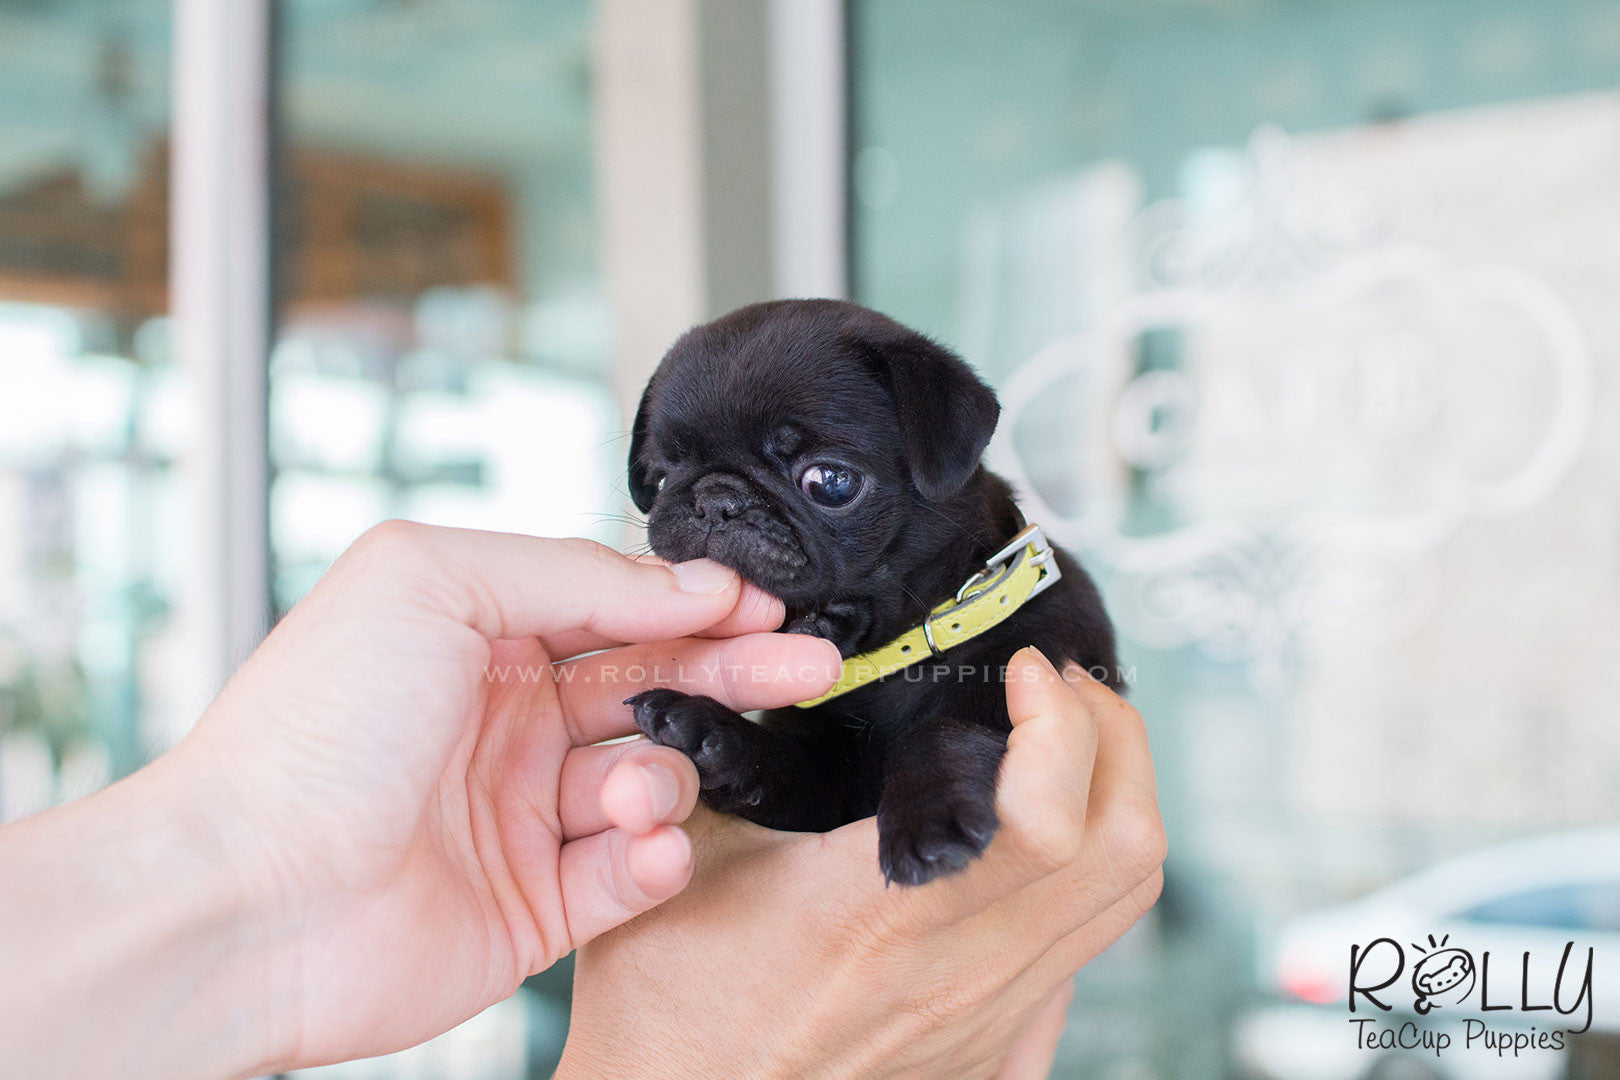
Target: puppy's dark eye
[{"x": 830, "y": 485}]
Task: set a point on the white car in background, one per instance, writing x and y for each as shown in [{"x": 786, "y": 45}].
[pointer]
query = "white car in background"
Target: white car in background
[{"x": 1532, "y": 896}]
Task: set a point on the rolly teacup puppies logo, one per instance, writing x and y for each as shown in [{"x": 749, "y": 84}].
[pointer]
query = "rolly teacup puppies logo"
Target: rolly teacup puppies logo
[{"x": 1441, "y": 975}]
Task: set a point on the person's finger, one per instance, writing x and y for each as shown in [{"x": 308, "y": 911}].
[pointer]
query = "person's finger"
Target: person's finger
[
  {"x": 1035, "y": 1048},
  {"x": 755, "y": 611},
  {"x": 757, "y": 671},
  {"x": 1121, "y": 848},
  {"x": 636, "y": 786},
  {"x": 1124, "y": 756},
  {"x": 1085, "y": 943},
  {"x": 1123, "y": 842},
  {"x": 611, "y": 877},
  {"x": 508, "y": 586},
  {"x": 1124, "y": 828},
  {"x": 1041, "y": 795}
]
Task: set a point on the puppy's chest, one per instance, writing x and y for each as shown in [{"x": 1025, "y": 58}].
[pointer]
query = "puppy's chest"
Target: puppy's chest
[{"x": 964, "y": 684}]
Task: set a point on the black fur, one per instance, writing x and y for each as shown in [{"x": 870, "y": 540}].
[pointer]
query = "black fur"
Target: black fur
[{"x": 735, "y": 413}]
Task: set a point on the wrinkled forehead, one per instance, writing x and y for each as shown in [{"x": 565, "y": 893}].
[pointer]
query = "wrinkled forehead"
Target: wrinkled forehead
[{"x": 742, "y": 394}]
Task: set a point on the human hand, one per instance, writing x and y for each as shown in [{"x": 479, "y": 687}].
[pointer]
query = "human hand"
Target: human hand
[
  {"x": 409, "y": 792},
  {"x": 788, "y": 956}
]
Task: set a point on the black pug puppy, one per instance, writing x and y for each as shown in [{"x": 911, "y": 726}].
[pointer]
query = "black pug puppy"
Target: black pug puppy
[{"x": 831, "y": 456}]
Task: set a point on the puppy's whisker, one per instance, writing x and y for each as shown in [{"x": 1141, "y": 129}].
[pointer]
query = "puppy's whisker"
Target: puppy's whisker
[
  {"x": 956, "y": 524},
  {"x": 622, "y": 519},
  {"x": 859, "y": 725},
  {"x": 921, "y": 603}
]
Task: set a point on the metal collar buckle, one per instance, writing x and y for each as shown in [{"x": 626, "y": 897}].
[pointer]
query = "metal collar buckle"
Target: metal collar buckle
[
  {"x": 1032, "y": 539},
  {"x": 1030, "y": 543}
]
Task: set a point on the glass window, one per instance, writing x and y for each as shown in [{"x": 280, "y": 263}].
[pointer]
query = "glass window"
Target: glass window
[
  {"x": 1302, "y": 317},
  {"x": 442, "y": 343},
  {"x": 92, "y": 413}
]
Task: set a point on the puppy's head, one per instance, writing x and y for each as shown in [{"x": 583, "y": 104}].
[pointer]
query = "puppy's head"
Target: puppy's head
[{"x": 794, "y": 441}]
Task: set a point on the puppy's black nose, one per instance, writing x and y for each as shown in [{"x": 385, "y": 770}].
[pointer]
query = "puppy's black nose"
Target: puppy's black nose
[{"x": 719, "y": 498}]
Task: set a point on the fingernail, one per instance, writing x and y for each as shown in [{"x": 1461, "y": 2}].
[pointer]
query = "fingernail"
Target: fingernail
[
  {"x": 1073, "y": 672},
  {"x": 663, "y": 788},
  {"x": 1047, "y": 664},
  {"x": 703, "y": 576}
]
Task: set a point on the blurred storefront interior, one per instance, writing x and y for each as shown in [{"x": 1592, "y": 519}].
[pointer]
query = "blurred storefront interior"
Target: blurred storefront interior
[{"x": 1302, "y": 315}]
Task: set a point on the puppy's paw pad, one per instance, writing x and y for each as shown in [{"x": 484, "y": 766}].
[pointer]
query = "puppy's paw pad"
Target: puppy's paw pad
[
  {"x": 716, "y": 748},
  {"x": 720, "y": 744},
  {"x": 917, "y": 846},
  {"x": 813, "y": 623},
  {"x": 694, "y": 726},
  {"x": 651, "y": 709}
]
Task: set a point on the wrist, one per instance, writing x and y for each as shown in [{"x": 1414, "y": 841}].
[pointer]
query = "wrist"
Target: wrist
[
  {"x": 226, "y": 933},
  {"x": 140, "y": 952}
]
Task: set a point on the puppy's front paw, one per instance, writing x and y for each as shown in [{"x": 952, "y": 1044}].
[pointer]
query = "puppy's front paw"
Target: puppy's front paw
[
  {"x": 722, "y": 745},
  {"x": 921, "y": 841},
  {"x": 842, "y": 622},
  {"x": 814, "y": 623}
]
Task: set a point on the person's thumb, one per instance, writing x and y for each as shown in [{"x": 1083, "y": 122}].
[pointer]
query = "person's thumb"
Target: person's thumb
[{"x": 612, "y": 877}]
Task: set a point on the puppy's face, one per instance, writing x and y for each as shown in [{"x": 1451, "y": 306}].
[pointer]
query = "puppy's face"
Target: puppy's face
[
  {"x": 795, "y": 441},
  {"x": 787, "y": 472}
]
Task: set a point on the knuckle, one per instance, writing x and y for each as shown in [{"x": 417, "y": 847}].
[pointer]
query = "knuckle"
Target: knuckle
[
  {"x": 728, "y": 669},
  {"x": 584, "y": 548},
  {"x": 1136, "y": 840},
  {"x": 590, "y": 556},
  {"x": 1048, "y": 841},
  {"x": 1131, "y": 714},
  {"x": 1151, "y": 889},
  {"x": 588, "y": 560},
  {"x": 759, "y": 605},
  {"x": 391, "y": 545},
  {"x": 392, "y": 534}
]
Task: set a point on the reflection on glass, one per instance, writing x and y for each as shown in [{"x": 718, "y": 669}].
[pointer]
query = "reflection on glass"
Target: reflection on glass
[
  {"x": 442, "y": 347},
  {"x": 442, "y": 344},
  {"x": 1302, "y": 320},
  {"x": 92, "y": 413}
]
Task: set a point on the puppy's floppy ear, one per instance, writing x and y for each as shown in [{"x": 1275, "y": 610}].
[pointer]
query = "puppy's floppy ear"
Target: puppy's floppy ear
[
  {"x": 643, "y": 487},
  {"x": 946, "y": 413}
]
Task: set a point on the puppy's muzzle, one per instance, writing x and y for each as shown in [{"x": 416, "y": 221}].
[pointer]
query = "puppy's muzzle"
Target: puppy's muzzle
[
  {"x": 720, "y": 498},
  {"x": 742, "y": 530}
]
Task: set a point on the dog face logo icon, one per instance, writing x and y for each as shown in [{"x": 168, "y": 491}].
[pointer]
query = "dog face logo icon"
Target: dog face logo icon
[{"x": 1443, "y": 977}]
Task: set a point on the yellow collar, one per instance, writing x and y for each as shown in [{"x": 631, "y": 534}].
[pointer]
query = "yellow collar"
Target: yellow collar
[{"x": 1010, "y": 578}]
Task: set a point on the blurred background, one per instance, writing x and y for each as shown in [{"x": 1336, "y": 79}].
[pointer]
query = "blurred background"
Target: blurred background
[{"x": 1303, "y": 313}]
